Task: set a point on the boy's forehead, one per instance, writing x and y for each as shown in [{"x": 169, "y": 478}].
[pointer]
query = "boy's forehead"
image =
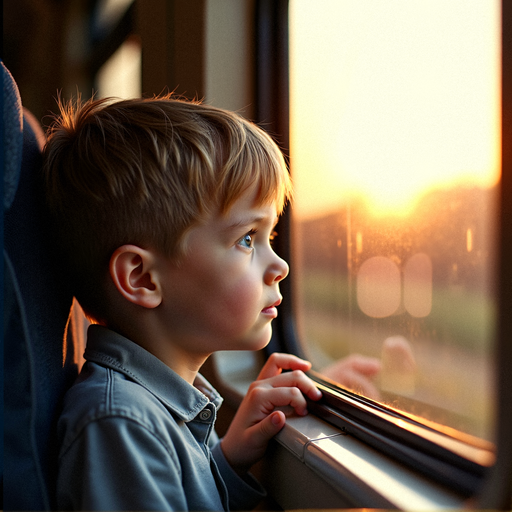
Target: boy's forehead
[{"x": 249, "y": 208}]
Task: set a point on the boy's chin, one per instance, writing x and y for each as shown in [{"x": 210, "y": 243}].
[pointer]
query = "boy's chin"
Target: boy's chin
[
  {"x": 264, "y": 342},
  {"x": 258, "y": 343}
]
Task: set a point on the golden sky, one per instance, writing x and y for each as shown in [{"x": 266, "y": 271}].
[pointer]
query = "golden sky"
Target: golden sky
[{"x": 390, "y": 99}]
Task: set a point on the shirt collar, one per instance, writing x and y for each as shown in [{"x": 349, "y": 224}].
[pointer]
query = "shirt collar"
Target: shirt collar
[{"x": 112, "y": 350}]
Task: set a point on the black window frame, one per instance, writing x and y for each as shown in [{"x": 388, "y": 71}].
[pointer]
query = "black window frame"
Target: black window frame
[{"x": 467, "y": 469}]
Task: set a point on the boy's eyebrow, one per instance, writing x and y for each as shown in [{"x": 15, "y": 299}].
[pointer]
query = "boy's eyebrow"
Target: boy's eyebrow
[{"x": 248, "y": 221}]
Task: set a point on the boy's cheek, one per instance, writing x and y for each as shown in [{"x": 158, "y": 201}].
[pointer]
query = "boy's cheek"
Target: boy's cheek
[
  {"x": 244, "y": 303},
  {"x": 242, "y": 306}
]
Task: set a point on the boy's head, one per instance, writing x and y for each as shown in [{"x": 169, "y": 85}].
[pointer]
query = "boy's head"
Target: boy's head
[{"x": 143, "y": 172}]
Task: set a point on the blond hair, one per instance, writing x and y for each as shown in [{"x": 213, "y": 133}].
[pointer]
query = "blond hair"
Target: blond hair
[{"x": 143, "y": 171}]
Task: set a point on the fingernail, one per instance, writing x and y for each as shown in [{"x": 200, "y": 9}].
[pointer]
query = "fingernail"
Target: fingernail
[{"x": 276, "y": 419}]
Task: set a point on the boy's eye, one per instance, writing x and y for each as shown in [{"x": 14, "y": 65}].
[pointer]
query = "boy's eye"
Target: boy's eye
[{"x": 247, "y": 239}]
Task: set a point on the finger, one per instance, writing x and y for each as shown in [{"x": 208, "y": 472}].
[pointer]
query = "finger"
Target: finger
[
  {"x": 242, "y": 455},
  {"x": 296, "y": 379},
  {"x": 277, "y": 362},
  {"x": 262, "y": 400}
]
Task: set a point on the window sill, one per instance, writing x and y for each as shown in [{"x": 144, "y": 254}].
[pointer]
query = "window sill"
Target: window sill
[{"x": 312, "y": 464}]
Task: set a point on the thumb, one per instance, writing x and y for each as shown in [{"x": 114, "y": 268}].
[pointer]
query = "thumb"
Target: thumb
[{"x": 271, "y": 425}]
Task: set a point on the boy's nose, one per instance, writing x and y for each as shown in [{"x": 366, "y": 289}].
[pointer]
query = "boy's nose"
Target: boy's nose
[{"x": 276, "y": 271}]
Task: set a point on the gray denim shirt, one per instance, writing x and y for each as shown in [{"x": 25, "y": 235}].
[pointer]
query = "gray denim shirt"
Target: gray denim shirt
[{"x": 136, "y": 436}]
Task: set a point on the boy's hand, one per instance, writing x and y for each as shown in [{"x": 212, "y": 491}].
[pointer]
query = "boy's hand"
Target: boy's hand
[{"x": 256, "y": 420}]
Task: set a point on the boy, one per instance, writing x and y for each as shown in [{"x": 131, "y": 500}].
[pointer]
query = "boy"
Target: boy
[{"x": 165, "y": 211}]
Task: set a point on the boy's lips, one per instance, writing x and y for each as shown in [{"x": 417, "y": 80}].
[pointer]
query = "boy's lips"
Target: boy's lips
[{"x": 271, "y": 310}]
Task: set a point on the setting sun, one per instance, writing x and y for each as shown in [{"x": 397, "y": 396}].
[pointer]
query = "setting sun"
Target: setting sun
[{"x": 391, "y": 100}]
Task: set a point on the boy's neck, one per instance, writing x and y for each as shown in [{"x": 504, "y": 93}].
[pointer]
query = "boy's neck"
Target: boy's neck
[
  {"x": 182, "y": 362},
  {"x": 185, "y": 367}
]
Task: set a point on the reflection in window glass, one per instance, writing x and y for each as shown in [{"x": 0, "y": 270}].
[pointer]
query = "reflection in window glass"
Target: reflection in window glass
[{"x": 395, "y": 159}]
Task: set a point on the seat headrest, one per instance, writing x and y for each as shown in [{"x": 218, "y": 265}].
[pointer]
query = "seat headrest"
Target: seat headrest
[{"x": 12, "y": 136}]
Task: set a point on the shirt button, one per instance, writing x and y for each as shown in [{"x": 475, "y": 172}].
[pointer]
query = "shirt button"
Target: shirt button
[{"x": 205, "y": 414}]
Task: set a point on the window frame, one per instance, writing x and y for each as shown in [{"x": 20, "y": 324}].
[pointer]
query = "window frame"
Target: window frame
[
  {"x": 489, "y": 484},
  {"x": 496, "y": 492},
  {"x": 272, "y": 113}
]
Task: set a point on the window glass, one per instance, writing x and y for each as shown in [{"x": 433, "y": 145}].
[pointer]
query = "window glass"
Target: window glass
[{"x": 395, "y": 151}]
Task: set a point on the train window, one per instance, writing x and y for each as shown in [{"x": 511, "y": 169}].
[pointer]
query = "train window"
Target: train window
[{"x": 395, "y": 156}]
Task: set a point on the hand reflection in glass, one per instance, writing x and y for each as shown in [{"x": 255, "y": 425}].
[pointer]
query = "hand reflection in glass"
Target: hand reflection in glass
[{"x": 394, "y": 372}]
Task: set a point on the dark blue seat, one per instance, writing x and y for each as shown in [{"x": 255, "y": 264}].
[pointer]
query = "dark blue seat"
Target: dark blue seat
[{"x": 40, "y": 355}]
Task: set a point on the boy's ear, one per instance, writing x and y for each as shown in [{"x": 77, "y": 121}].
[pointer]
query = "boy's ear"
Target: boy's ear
[{"x": 133, "y": 272}]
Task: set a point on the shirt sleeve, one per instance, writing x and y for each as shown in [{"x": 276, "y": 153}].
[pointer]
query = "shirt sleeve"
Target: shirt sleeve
[
  {"x": 117, "y": 464},
  {"x": 244, "y": 493}
]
